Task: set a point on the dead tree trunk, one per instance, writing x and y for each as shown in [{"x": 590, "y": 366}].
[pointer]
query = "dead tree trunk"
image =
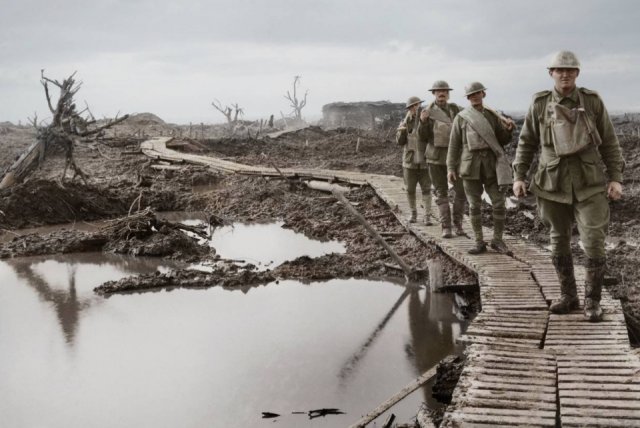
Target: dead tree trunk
[{"x": 68, "y": 127}]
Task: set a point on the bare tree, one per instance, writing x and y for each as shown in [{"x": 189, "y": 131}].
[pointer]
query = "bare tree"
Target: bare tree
[
  {"x": 68, "y": 127},
  {"x": 230, "y": 112},
  {"x": 295, "y": 103}
]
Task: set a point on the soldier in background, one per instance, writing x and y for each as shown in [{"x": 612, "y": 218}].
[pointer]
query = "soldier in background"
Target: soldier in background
[
  {"x": 412, "y": 135},
  {"x": 571, "y": 129},
  {"x": 439, "y": 117},
  {"x": 476, "y": 156}
]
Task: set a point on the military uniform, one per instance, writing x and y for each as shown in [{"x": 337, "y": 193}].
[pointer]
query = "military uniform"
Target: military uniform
[
  {"x": 571, "y": 186},
  {"x": 438, "y": 134},
  {"x": 473, "y": 161},
  {"x": 414, "y": 165}
]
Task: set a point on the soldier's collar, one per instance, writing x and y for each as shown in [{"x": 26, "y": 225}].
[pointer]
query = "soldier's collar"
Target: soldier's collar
[{"x": 573, "y": 96}]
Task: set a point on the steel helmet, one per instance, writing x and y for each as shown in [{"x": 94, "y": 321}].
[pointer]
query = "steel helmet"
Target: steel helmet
[
  {"x": 440, "y": 85},
  {"x": 412, "y": 101},
  {"x": 474, "y": 87},
  {"x": 564, "y": 59}
]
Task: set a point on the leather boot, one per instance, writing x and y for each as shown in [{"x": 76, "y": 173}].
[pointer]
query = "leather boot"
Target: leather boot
[
  {"x": 458, "y": 212},
  {"x": 426, "y": 202},
  {"x": 481, "y": 247},
  {"x": 412, "y": 207},
  {"x": 593, "y": 288},
  {"x": 498, "y": 229},
  {"x": 476, "y": 225},
  {"x": 568, "y": 300},
  {"x": 445, "y": 219}
]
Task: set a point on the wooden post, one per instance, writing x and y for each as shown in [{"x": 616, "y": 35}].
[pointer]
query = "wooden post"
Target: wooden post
[
  {"x": 417, "y": 383},
  {"x": 202, "y": 130},
  {"x": 408, "y": 271},
  {"x": 190, "y": 125},
  {"x": 358, "y": 145}
]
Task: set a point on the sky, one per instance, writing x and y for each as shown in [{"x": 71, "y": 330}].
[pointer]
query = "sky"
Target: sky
[{"x": 174, "y": 58}]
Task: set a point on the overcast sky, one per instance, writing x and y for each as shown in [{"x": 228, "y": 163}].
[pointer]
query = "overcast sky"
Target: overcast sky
[{"x": 173, "y": 58}]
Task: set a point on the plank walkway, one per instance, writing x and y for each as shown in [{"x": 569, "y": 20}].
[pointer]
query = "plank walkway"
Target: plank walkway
[{"x": 525, "y": 366}]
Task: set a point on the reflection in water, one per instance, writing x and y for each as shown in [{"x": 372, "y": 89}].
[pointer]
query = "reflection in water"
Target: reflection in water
[
  {"x": 54, "y": 279},
  {"x": 353, "y": 361},
  {"x": 65, "y": 302}
]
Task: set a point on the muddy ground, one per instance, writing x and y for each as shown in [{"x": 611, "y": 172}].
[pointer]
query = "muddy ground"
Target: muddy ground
[{"x": 122, "y": 181}]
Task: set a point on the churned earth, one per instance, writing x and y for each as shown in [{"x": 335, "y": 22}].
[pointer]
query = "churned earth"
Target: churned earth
[{"x": 124, "y": 183}]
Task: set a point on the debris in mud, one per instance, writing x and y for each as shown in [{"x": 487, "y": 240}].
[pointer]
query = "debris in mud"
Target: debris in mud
[
  {"x": 62, "y": 241},
  {"x": 447, "y": 375},
  {"x": 269, "y": 415},
  {"x": 323, "y": 412},
  {"x": 140, "y": 234},
  {"x": 222, "y": 275}
]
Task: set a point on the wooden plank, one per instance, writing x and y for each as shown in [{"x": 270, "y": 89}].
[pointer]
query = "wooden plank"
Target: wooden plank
[
  {"x": 478, "y": 384},
  {"x": 602, "y": 413},
  {"x": 498, "y": 420},
  {"x": 590, "y": 421},
  {"x": 600, "y": 394},
  {"x": 513, "y": 380}
]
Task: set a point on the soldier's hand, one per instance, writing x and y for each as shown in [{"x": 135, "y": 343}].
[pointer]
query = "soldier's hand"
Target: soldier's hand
[
  {"x": 519, "y": 188},
  {"x": 452, "y": 176},
  {"x": 424, "y": 115},
  {"x": 509, "y": 124},
  {"x": 614, "y": 191},
  {"x": 402, "y": 128}
]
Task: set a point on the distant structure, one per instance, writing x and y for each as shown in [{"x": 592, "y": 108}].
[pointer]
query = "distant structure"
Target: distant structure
[{"x": 363, "y": 114}]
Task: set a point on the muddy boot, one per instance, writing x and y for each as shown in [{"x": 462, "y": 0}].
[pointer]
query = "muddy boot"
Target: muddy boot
[
  {"x": 445, "y": 219},
  {"x": 412, "y": 207},
  {"x": 500, "y": 246},
  {"x": 593, "y": 289},
  {"x": 568, "y": 300},
  {"x": 481, "y": 247},
  {"x": 458, "y": 212},
  {"x": 426, "y": 202},
  {"x": 498, "y": 228}
]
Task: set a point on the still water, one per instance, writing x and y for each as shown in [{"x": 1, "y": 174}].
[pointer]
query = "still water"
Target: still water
[{"x": 207, "y": 358}]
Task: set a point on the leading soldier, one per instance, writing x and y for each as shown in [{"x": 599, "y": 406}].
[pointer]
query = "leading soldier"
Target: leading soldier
[
  {"x": 439, "y": 117},
  {"x": 476, "y": 156},
  {"x": 571, "y": 128}
]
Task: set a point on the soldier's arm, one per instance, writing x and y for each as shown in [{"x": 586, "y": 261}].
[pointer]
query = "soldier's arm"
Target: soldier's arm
[
  {"x": 610, "y": 148},
  {"x": 528, "y": 144},
  {"x": 425, "y": 130},
  {"x": 503, "y": 134},
  {"x": 401, "y": 133},
  {"x": 455, "y": 145}
]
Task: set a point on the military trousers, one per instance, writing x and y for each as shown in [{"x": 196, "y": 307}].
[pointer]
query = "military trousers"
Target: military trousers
[
  {"x": 488, "y": 182},
  {"x": 591, "y": 216},
  {"x": 438, "y": 174},
  {"x": 414, "y": 176}
]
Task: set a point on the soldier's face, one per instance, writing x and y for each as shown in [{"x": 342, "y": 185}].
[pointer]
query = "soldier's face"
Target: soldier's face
[
  {"x": 564, "y": 78},
  {"x": 413, "y": 108},
  {"x": 476, "y": 98},
  {"x": 441, "y": 95}
]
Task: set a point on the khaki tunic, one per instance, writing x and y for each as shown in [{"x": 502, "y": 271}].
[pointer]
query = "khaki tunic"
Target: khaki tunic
[
  {"x": 438, "y": 155},
  {"x": 466, "y": 163},
  {"x": 408, "y": 157},
  {"x": 560, "y": 178}
]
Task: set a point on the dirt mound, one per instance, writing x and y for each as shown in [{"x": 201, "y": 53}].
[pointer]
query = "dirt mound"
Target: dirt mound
[{"x": 141, "y": 119}]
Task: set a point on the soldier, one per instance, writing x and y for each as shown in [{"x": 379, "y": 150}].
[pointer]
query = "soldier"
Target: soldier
[
  {"x": 571, "y": 129},
  {"x": 476, "y": 156},
  {"x": 439, "y": 119},
  {"x": 411, "y": 135}
]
